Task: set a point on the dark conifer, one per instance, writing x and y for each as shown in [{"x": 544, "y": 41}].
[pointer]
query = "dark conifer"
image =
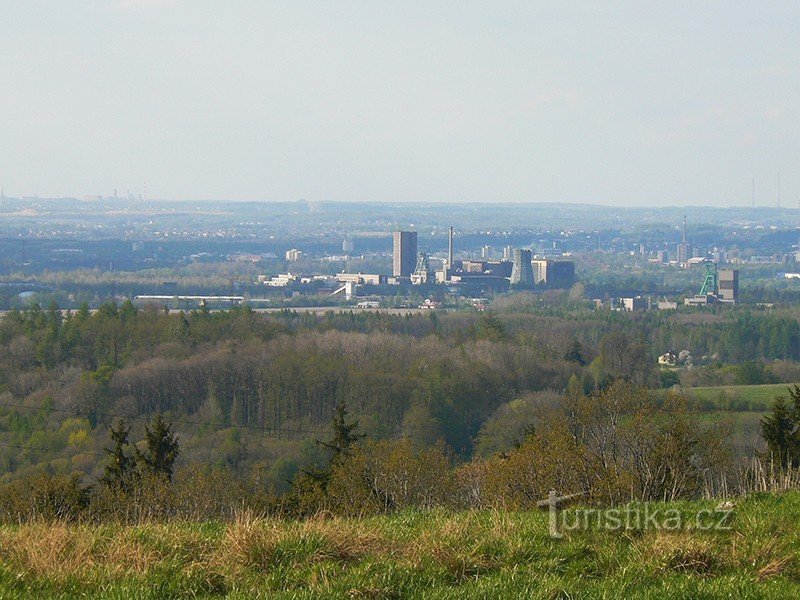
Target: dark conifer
[
  {"x": 120, "y": 466},
  {"x": 161, "y": 448}
]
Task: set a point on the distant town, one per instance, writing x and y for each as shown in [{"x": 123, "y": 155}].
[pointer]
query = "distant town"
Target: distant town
[{"x": 301, "y": 254}]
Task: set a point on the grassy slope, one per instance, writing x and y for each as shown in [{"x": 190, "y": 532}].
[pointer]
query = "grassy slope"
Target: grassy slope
[
  {"x": 760, "y": 397},
  {"x": 408, "y": 555},
  {"x": 745, "y": 404}
]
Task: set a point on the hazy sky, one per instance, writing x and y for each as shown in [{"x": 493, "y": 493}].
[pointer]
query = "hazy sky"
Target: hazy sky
[{"x": 603, "y": 102}]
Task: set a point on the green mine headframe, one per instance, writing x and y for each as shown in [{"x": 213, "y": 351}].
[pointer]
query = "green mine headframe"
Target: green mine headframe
[{"x": 710, "y": 284}]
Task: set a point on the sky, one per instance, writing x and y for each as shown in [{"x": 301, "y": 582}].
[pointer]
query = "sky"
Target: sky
[{"x": 620, "y": 103}]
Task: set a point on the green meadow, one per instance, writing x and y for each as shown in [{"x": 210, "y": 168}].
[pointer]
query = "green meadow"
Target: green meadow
[{"x": 435, "y": 554}]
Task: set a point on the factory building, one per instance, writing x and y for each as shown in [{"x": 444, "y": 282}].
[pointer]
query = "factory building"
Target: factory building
[
  {"x": 553, "y": 273},
  {"x": 404, "y": 259},
  {"x": 728, "y": 284},
  {"x": 294, "y": 255},
  {"x": 521, "y": 270},
  {"x": 362, "y": 278},
  {"x": 635, "y": 303}
]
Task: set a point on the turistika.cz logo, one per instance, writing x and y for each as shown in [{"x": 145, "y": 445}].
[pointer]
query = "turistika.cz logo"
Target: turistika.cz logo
[{"x": 634, "y": 516}]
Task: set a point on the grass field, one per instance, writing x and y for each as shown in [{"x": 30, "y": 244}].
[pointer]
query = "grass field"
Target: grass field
[
  {"x": 755, "y": 398},
  {"x": 409, "y": 555},
  {"x": 745, "y": 404}
]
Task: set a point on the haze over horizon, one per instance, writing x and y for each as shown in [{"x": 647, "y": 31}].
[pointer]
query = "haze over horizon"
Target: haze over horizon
[{"x": 612, "y": 103}]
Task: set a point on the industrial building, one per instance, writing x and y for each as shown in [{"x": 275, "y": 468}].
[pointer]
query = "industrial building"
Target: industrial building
[
  {"x": 728, "y": 285},
  {"x": 422, "y": 270},
  {"x": 294, "y": 255},
  {"x": 522, "y": 269},
  {"x": 635, "y": 303},
  {"x": 362, "y": 278},
  {"x": 404, "y": 258},
  {"x": 718, "y": 287},
  {"x": 553, "y": 273}
]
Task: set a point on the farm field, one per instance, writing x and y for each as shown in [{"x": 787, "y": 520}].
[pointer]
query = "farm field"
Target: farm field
[
  {"x": 744, "y": 404},
  {"x": 413, "y": 554},
  {"x": 739, "y": 398}
]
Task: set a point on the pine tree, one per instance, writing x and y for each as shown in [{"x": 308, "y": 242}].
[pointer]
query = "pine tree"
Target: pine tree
[
  {"x": 575, "y": 353},
  {"x": 781, "y": 430},
  {"x": 491, "y": 328},
  {"x": 340, "y": 446},
  {"x": 343, "y": 437},
  {"x": 161, "y": 449},
  {"x": 119, "y": 469}
]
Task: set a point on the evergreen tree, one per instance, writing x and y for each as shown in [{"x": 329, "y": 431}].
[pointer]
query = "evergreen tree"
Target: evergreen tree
[
  {"x": 161, "y": 448},
  {"x": 781, "y": 430},
  {"x": 575, "y": 353},
  {"x": 120, "y": 466},
  {"x": 340, "y": 446},
  {"x": 344, "y": 437},
  {"x": 491, "y": 328}
]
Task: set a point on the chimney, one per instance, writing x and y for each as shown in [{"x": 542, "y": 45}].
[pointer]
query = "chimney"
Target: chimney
[{"x": 450, "y": 249}]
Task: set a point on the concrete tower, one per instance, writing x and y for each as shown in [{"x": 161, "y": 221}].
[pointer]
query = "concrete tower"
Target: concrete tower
[
  {"x": 728, "y": 283},
  {"x": 450, "y": 248},
  {"x": 522, "y": 270},
  {"x": 404, "y": 258},
  {"x": 684, "y": 249}
]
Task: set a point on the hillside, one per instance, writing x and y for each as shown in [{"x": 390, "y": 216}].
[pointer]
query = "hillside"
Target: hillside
[{"x": 411, "y": 554}]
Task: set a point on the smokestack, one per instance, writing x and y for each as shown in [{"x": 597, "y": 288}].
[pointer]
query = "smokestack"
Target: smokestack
[
  {"x": 450, "y": 249},
  {"x": 684, "y": 228}
]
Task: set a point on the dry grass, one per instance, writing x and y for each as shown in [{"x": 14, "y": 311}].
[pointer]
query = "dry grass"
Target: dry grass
[
  {"x": 373, "y": 558},
  {"x": 681, "y": 553}
]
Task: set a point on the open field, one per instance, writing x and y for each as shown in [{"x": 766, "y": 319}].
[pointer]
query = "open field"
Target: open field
[
  {"x": 410, "y": 555},
  {"x": 745, "y": 404},
  {"x": 740, "y": 398}
]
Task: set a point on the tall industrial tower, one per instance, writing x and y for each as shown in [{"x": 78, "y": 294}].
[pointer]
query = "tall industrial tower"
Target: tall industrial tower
[
  {"x": 522, "y": 269},
  {"x": 684, "y": 252},
  {"x": 404, "y": 257},
  {"x": 422, "y": 271},
  {"x": 450, "y": 248}
]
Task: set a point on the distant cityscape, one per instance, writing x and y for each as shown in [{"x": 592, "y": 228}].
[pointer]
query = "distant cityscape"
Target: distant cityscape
[{"x": 405, "y": 256}]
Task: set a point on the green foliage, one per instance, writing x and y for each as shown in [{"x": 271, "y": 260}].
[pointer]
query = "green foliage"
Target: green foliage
[
  {"x": 310, "y": 488},
  {"x": 490, "y": 327},
  {"x": 161, "y": 448},
  {"x": 120, "y": 466},
  {"x": 575, "y": 353},
  {"x": 620, "y": 357},
  {"x": 344, "y": 436},
  {"x": 668, "y": 378},
  {"x": 44, "y": 496},
  {"x": 781, "y": 430},
  {"x": 251, "y": 390},
  {"x": 751, "y": 373},
  {"x": 410, "y": 554},
  {"x": 391, "y": 475}
]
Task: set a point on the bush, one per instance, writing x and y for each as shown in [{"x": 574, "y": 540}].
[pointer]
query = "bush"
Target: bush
[
  {"x": 391, "y": 475},
  {"x": 44, "y": 496}
]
